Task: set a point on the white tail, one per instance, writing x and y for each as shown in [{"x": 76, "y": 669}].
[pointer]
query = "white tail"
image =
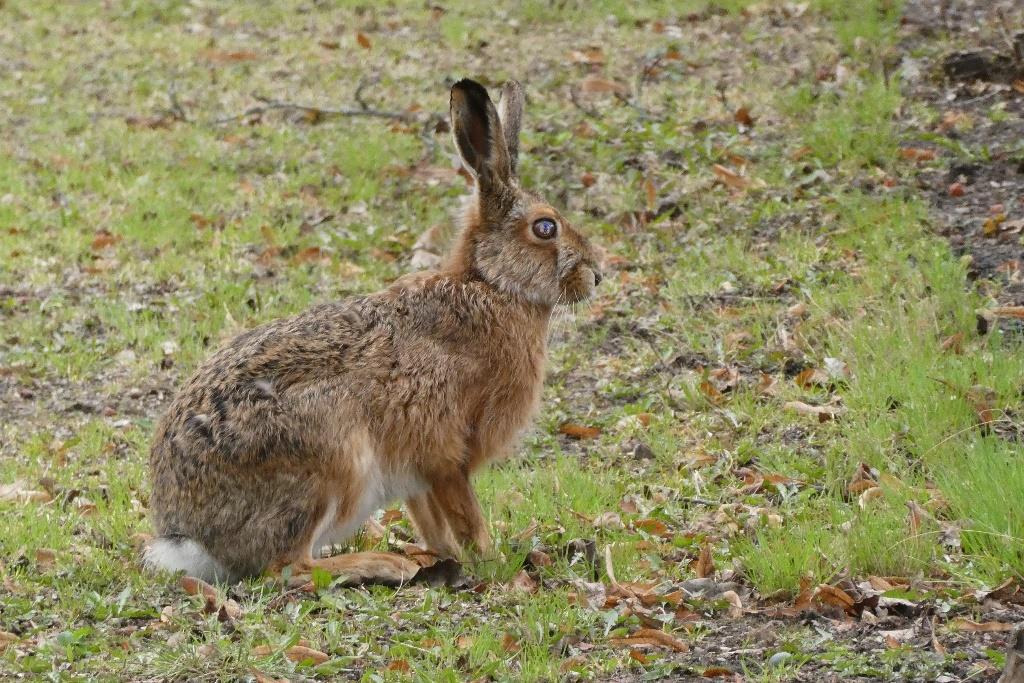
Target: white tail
[{"x": 178, "y": 554}]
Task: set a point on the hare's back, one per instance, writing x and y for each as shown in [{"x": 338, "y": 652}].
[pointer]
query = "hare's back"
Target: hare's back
[{"x": 249, "y": 400}]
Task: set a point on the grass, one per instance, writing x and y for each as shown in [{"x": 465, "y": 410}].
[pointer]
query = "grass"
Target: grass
[{"x": 133, "y": 244}]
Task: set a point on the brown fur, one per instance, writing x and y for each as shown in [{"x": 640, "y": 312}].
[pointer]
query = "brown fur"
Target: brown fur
[{"x": 293, "y": 428}]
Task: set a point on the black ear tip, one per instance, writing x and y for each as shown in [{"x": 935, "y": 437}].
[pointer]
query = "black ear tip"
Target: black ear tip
[{"x": 471, "y": 90}]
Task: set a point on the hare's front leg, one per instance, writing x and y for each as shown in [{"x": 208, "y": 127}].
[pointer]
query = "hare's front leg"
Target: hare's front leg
[
  {"x": 432, "y": 526},
  {"x": 453, "y": 499}
]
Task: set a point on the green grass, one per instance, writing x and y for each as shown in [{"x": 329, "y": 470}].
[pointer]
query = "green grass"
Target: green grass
[{"x": 217, "y": 227}]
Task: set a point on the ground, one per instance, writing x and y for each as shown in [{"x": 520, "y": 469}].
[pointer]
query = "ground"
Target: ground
[{"x": 783, "y": 443}]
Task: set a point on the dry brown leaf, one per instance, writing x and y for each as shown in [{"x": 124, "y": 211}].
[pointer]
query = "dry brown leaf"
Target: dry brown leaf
[
  {"x": 717, "y": 672},
  {"x": 608, "y": 520},
  {"x": 104, "y": 239},
  {"x": 735, "y": 604},
  {"x": 1008, "y": 591},
  {"x": 539, "y": 558},
  {"x": 227, "y": 57},
  {"x": 710, "y": 392},
  {"x": 592, "y": 56},
  {"x": 363, "y": 40},
  {"x": 918, "y": 154},
  {"x": 509, "y": 643},
  {"x": 301, "y": 653},
  {"x": 823, "y": 413},
  {"x": 578, "y": 431},
  {"x": 399, "y": 665},
  {"x": 652, "y": 526},
  {"x": 896, "y": 638},
  {"x": 704, "y": 566},
  {"x": 464, "y": 642},
  {"x": 767, "y": 385},
  {"x": 962, "y": 624},
  {"x": 742, "y": 116},
  {"x": 810, "y": 377},
  {"x": 990, "y": 227},
  {"x": 1009, "y": 311},
  {"x": 954, "y": 343},
  {"x": 834, "y": 596},
  {"x": 651, "y": 637},
  {"x": 651, "y": 194},
  {"x": 19, "y": 492},
  {"x": 869, "y": 495},
  {"x": 7, "y": 639},
  {"x": 587, "y": 179},
  {"x": 866, "y": 477},
  {"x": 524, "y": 582},
  {"x": 45, "y": 558},
  {"x": 730, "y": 177},
  {"x": 596, "y": 84}
]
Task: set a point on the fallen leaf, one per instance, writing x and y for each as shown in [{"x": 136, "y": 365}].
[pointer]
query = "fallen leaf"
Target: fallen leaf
[
  {"x": 954, "y": 343},
  {"x": 897, "y": 637},
  {"x": 18, "y": 491},
  {"x": 918, "y": 154},
  {"x": 716, "y": 672},
  {"x": 399, "y": 665},
  {"x": 596, "y": 84},
  {"x": 730, "y": 177},
  {"x": 704, "y": 566},
  {"x": 1008, "y": 591},
  {"x": 608, "y": 520},
  {"x": 592, "y": 56},
  {"x": 45, "y": 558},
  {"x": 962, "y": 624},
  {"x": 7, "y": 639},
  {"x": 1009, "y": 311},
  {"x": 587, "y": 179},
  {"x": 651, "y": 637},
  {"x": 990, "y": 228},
  {"x": 743, "y": 117},
  {"x": 823, "y": 413},
  {"x": 810, "y": 377},
  {"x": 710, "y": 392},
  {"x": 767, "y": 385},
  {"x": 735, "y": 604},
  {"x": 227, "y": 57},
  {"x": 509, "y": 643},
  {"x": 363, "y": 41},
  {"x": 104, "y": 239},
  {"x": 524, "y": 582},
  {"x": 539, "y": 558},
  {"x": 464, "y": 642},
  {"x": 834, "y": 596},
  {"x": 301, "y": 653},
  {"x": 655, "y": 527},
  {"x": 957, "y": 190},
  {"x": 578, "y": 431}
]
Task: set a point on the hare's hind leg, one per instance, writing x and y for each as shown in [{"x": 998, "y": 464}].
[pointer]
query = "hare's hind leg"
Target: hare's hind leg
[{"x": 369, "y": 567}]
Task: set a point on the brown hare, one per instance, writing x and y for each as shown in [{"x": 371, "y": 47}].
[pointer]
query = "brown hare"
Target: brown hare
[{"x": 293, "y": 434}]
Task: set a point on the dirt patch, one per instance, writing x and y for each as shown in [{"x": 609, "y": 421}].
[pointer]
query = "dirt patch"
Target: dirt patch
[{"x": 974, "y": 80}]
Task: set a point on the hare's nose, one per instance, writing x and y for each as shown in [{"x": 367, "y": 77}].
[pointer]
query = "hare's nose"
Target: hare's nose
[{"x": 597, "y": 277}]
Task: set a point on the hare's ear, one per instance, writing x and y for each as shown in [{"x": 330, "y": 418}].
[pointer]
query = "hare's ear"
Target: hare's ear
[
  {"x": 477, "y": 131},
  {"x": 510, "y": 111}
]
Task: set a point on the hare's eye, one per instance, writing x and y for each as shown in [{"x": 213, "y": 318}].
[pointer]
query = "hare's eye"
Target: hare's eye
[{"x": 545, "y": 228}]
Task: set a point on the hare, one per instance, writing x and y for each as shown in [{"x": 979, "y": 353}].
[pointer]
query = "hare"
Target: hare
[{"x": 294, "y": 433}]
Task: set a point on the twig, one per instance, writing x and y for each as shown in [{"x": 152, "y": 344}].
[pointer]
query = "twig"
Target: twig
[
  {"x": 176, "y": 110},
  {"x": 270, "y": 105}
]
